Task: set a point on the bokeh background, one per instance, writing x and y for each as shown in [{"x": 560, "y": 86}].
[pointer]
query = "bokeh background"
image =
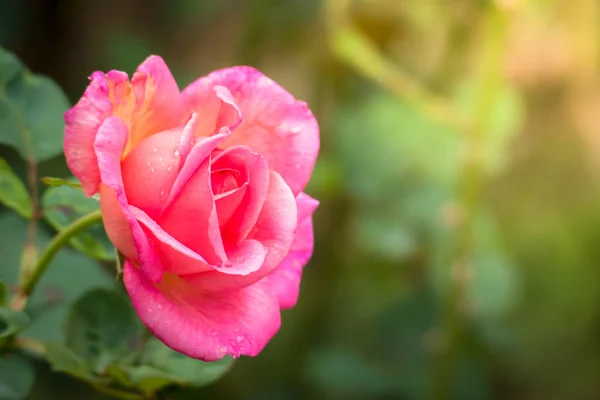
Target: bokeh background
[{"x": 458, "y": 238}]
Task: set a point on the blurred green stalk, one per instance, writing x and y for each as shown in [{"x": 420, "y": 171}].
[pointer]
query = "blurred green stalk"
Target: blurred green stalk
[
  {"x": 30, "y": 280},
  {"x": 351, "y": 46},
  {"x": 355, "y": 49},
  {"x": 469, "y": 198}
]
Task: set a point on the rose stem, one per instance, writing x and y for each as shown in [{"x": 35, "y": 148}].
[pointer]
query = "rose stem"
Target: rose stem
[{"x": 62, "y": 238}]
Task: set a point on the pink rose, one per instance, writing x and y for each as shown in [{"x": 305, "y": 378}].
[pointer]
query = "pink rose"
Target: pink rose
[{"x": 201, "y": 190}]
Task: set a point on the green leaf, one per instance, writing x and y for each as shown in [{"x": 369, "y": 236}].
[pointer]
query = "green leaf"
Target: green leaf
[
  {"x": 11, "y": 323},
  {"x": 12, "y": 191},
  {"x": 382, "y": 233},
  {"x": 31, "y": 110},
  {"x": 101, "y": 327},
  {"x": 150, "y": 380},
  {"x": 397, "y": 229},
  {"x": 142, "y": 378},
  {"x": 493, "y": 288},
  {"x": 191, "y": 371},
  {"x": 51, "y": 181},
  {"x": 16, "y": 376},
  {"x": 62, "y": 205},
  {"x": 68, "y": 276},
  {"x": 65, "y": 360},
  {"x": 146, "y": 379},
  {"x": 10, "y": 67},
  {"x": 159, "y": 366},
  {"x": 3, "y": 294},
  {"x": 383, "y": 141},
  {"x": 101, "y": 331},
  {"x": 117, "y": 373}
]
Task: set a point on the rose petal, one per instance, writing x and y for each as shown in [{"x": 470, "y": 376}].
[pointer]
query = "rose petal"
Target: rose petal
[
  {"x": 109, "y": 144},
  {"x": 254, "y": 170},
  {"x": 180, "y": 259},
  {"x": 115, "y": 224},
  {"x": 247, "y": 257},
  {"x": 150, "y": 170},
  {"x": 150, "y": 104},
  {"x": 204, "y": 325},
  {"x": 200, "y": 209},
  {"x": 274, "y": 230},
  {"x": 197, "y": 156},
  {"x": 217, "y": 110},
  {"x": 176, "y": 258},
  {"x": 82, "y": 123},
  {"x": 186, "y": 141},
  {"x": 229, "y": 116},
  {"x": 285, "y": 279},
  {"x": 157, "y": 101},
  {"x": 228, "y": 202},
  {"x": 192, "y": 217},
  {"x": 274, "y": 124}
]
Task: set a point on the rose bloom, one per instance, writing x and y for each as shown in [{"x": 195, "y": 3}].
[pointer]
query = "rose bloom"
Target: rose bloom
[{"x": 201, "y": 191}]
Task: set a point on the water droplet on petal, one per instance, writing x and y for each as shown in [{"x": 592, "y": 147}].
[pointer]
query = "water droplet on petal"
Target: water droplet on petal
[
  {"x": 214, "y": 333},
  {"x": 162, "y": 191},
  {"x": 176, "y": 153},
  {"x": 223, "y": 349},
  {"x": 169, "y": 168},
  {"x": 160, "y": 159},
  {"x": 240, "y": 339},
  {"x": 155, "y": 149},
  {"x": 152, "y": 169}
]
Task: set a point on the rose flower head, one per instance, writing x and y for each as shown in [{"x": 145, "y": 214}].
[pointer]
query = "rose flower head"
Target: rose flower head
[{"x": 202, "y": 191}]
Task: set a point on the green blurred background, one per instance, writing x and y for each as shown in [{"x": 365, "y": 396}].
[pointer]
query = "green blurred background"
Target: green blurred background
[{"x": 458, "y": 238}]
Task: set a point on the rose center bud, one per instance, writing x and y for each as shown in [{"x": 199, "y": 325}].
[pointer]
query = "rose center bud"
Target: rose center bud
[
  {"x": 228, "y": 188},
  {"x": 224, "y": 180}
]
